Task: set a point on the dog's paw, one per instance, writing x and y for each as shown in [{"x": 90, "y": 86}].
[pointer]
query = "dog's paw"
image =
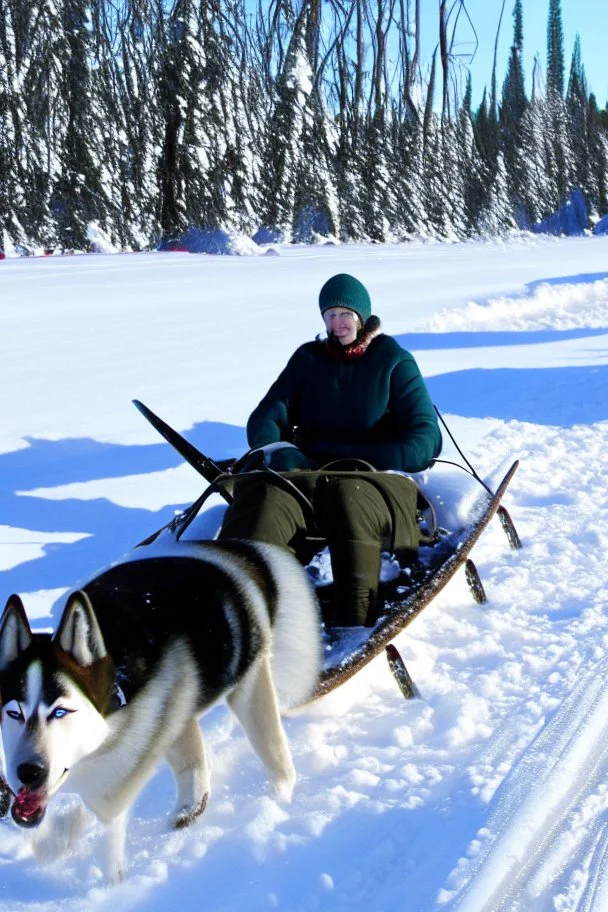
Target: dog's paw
[
  {"x": 282, "y": 789},
  {"x": 58, "y": 836},
  {"x": 116, "y": 875},
  {"x": 185, "y": 816}
]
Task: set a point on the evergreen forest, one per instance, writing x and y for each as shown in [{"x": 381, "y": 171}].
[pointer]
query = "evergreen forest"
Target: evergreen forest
[{"x": 283, "y": 119}]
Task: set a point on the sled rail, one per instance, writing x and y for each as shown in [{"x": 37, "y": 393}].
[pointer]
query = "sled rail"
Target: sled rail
[{"x": 405, "y": 610}]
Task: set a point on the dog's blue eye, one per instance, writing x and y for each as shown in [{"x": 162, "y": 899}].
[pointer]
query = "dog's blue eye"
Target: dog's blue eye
[
  {"x": 59, "y": 713},
  {"x": 15, "y": 714}
]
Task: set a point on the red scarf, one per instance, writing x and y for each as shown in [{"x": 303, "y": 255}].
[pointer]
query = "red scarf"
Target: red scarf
[{"x": 355, "y": 350}]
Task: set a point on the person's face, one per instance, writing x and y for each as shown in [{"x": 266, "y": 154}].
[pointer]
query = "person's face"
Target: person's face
[{"x": 343, "y": 323}]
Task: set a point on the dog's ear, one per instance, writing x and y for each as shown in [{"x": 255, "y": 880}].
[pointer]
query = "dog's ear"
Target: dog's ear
[
  {"x": 15, "y": 632},
  {"x": 79, "y": 633}
]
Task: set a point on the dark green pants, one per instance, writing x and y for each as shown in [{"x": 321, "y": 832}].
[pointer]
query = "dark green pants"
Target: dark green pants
[{"x": 359, "y": 514}]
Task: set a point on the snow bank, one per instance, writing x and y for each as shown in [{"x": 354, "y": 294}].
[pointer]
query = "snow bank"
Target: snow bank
[
  {"x": 99, "y": 240},
  {"x": 547, "y": 306}
]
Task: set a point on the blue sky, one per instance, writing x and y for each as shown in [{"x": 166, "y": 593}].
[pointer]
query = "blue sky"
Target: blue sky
[{"x": 587, "y": 17}]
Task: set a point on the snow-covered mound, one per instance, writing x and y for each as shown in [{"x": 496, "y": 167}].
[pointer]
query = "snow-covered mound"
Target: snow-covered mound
[
  {"x": 571, "y": 218},
  {"x": 218, "y": 241},
  {"x": 99, "y": 240},
  {"x": 601, "y": 227},
  {"x": 264, "y": 236}
]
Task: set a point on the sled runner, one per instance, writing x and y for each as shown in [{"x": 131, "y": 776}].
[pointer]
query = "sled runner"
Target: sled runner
[
  {"x": 408, "y": 595},
  {"x": 348, "y": 650}
]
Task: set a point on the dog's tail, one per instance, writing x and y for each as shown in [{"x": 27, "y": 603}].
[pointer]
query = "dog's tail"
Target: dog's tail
[{"x": 296, "y": 637}]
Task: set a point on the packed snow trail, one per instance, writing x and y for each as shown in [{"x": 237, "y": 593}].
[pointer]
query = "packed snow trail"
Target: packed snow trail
[{"x": 529, "y": 835}]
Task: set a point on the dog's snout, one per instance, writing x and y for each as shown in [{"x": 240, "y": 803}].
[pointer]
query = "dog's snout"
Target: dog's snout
[{"x": 33, "y": 774}]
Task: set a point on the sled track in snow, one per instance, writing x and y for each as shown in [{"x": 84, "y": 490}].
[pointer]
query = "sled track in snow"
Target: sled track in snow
[
  {"x": 541, "y": 817},
  {"x": 595, "y": 895}
]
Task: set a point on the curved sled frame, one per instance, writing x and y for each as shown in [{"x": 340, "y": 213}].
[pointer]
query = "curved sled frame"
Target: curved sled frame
[
  {"x": 405, "y": 609},
  {"x": 410, "y": 607}
]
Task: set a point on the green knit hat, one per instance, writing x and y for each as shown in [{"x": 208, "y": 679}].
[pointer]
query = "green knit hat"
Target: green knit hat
[{"x": 345, "y": 291}]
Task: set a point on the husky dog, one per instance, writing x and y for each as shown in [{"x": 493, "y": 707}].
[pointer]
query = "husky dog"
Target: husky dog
[{"x": 166, "y": 635}]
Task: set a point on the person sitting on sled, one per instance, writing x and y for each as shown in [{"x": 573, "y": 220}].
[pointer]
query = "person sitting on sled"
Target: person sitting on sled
[{"x": 353, "y": 396}]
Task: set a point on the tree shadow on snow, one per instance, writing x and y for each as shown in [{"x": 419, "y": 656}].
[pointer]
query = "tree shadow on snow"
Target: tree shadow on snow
[
  {"x": 491, "y": 339},
  {"x": 582, "y": 278},
  {"x": 560, "y": 396},
  {"x": 112, "y": 529}
]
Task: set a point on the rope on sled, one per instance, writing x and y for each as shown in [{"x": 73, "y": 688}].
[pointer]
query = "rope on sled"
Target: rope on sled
[{"x": 471, "y": 470}]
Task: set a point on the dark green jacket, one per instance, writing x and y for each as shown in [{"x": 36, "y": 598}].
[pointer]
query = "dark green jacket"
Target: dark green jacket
[{"x": 375, "y": 407}]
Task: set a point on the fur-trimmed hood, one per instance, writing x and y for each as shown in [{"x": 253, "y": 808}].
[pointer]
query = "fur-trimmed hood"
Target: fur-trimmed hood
[{"x": 356, "y": 349}]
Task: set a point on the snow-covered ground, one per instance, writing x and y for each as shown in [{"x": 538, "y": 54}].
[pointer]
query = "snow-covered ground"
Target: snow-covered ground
[{"x": 491, "y": 792}]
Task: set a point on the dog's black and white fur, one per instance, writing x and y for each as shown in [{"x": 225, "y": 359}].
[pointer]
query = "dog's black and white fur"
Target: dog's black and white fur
[{"x": 167, "y": 635}]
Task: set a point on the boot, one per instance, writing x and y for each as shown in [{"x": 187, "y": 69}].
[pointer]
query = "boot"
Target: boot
[{"x": 356, "y": 571}]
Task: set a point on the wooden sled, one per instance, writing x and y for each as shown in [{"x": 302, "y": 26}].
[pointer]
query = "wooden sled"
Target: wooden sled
[{"x": 349, "y": 649}]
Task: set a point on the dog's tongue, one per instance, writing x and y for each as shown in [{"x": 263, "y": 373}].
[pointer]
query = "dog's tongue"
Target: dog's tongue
[{"x": 28, "y": 804}]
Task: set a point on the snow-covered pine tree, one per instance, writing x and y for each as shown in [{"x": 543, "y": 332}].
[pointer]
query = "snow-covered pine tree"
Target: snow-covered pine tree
[
  {"x": 407, "y": 166},
  {"x": 224, "y": 134},
  {"x": 186, "y": 191},
  {"x": 486, "y": 134},
  {"x": 463, "y": 175},
  {"x": 576, "y": 94},
  {"x": 123, "y": 83},
  {"x": 555, "y": 49},
  {"x": 377, "y": 152},
  {"x": 577, "y": 105},
  {"x": 77, "y": 195},
  {"x": 282, "y": 141},
  {"x": 547, "y": 159},
  {"x": 474, "y": 176},
  {"x": 348, "y": 182},
  {"x": 8, "y": 183},
  {"x": 239, "y": 98},
  {"x": 33, "y": 49},
  {"x": 345, "y": 94},
  {"x": 558, "y": 134},
  {"x": 512, "y": 108},
  {"x": 598, "y": 158},
  {"x": 316, "y": 208},
  {"x": 436, "y": 188},
  {"x": 375, "y": 178},
  {"x": 316, "y": 205},
  {"x": 497, "y": 216},
  {"x": 411, "y": 137},
  {"x": 536, "y": 196}
]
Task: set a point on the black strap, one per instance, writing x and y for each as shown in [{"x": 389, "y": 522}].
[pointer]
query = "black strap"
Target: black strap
[
  {"x": 471, "y": 470},
  {"x": 287, "y": 485}
]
